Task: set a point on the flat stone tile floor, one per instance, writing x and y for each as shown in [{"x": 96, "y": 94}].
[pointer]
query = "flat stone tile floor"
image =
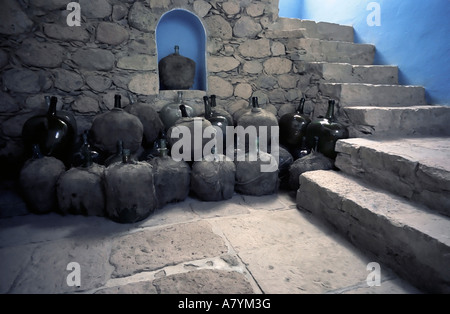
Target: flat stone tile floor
[{"x": 246, "y": 245}]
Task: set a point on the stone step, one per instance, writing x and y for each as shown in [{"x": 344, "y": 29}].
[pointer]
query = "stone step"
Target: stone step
[
  {"x": 357, "y": 94},
  {"x": 284, "y": 34},
  {"x": 319, "y": 30},
  {"x": 416, "y": 168},
  {"x": 411, "y": 240},
  {"x": 431, "y": 120},
  {"x": 317, "y": 50},
  {"x": 348, "y": 73}
]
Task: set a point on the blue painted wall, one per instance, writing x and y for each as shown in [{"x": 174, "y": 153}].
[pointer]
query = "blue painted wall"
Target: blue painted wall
[
  {"x": 183, "y": 28},
  {"x": 414, "y": 35}
]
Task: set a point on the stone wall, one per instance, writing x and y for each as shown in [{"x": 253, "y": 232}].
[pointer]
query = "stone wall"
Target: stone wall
[{"x": 114, "y": 51}]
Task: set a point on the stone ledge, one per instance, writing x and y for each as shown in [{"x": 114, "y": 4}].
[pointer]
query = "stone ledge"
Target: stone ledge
[
  {"x": 415, "y": 168},
  {"x": 412, "y": 241},
  {"x": 357, "y": 94}
]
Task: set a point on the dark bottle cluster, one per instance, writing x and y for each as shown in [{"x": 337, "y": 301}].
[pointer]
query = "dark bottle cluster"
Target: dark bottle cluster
[{"x": 300, "y": 135}]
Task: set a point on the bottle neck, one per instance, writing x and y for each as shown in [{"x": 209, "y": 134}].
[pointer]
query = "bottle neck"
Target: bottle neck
[
  {"x": 126, "y": 156},
  {"x": 213, "y": 101},
  {"x": 119, "y": 148},
  {"x": 330, "y": 111},
  {"x": 207, "y": 107},
  {"x": 52, "y": 107},
  {"x": 301, "y": 106},
  {"x": 86, "y": 152},
  {"x": 255, "y": 105},
  {"x": 117, "y": 102},
  {"x": 180, "y": 97},
  {"x": 184, "y": 113},
  {"x": 36, "y": 152},
  {"x": 163, "y": 152}
]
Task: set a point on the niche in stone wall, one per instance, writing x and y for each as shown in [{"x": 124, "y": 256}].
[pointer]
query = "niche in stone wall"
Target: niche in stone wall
[{"x": 184, "y": 29}]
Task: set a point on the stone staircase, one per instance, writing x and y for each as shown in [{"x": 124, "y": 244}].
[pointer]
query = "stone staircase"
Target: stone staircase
[{"x": 390, "y": 194}]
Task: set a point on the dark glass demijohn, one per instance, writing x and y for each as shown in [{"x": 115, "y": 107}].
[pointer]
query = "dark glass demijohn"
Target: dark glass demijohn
[
  {"x": 54, "y": 133},
  {"x": 216, "y": 111},
  {"x": 328, "y": 132},
  {"x": 217, "y": 121},
  {"x": 293, "y": 127}
]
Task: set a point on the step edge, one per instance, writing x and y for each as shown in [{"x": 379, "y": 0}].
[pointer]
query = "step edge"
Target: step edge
[{"x": 411, "y": 207}]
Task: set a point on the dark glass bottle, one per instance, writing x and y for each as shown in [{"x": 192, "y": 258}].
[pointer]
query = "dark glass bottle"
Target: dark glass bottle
[
  {"x": 328, "y": 132},
  {"x": 216, "y": 120},
  {"x": 216, "y": 111},
  {"x": 53, "y": 133},
  {"x": 293, "y": 127}
]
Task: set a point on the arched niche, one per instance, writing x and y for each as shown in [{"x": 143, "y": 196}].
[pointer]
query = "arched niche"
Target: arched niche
[{"x": 182, "y": 28}]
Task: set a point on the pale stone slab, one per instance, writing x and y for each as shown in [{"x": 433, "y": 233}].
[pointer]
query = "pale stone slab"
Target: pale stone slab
[
  {"x": 286, "y": 252},
  {"x": 158, "y": 248},
  {"x": 51, "y": 260},
  {"x": 206, "y": 281},
  {"x": 265, "y": 229}
]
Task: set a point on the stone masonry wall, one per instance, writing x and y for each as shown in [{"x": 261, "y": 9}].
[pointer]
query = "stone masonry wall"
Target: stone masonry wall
[{"x": 114, "y": 51}]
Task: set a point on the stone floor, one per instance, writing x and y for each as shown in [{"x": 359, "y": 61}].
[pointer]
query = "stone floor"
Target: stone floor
[{"x": 247, "y": 245}]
